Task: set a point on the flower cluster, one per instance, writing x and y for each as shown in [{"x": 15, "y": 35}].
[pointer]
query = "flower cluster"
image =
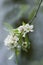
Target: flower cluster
[
  {"x": 11, "y": 41},
  {"x": 25, "y": 29},
  {"x": 17, "y": 38}
]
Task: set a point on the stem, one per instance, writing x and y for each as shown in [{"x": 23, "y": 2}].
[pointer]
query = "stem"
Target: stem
[{"x": 36, "y": 12}]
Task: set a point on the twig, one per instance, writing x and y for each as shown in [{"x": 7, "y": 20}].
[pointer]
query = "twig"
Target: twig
[{"x": 36, "y": 12}]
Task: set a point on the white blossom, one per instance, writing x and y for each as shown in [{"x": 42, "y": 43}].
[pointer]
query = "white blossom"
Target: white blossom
[
  {"x": 11, "y": 41},
  {"x": 15, "y": 44},
  {"x": 24, "y": 44},
  {"x": 8, "y": 40},
  {"x": 15, "y": 38},
  {"x": 18, "y": 46},
  {"x": 28, "y": 28},
  {"x": 21, "y": 28},
  {"x": 25, "y": 29},
  {"x": 31, "y": 28}
]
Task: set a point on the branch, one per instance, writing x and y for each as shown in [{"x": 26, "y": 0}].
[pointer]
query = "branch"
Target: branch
[{"x": 36, "y": 12}]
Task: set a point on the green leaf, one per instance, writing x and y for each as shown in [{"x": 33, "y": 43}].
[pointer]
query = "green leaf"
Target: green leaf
[
  {"x": 17, "y": 52},
  {"x": 23, "y": 23},
  {"x": 26, "y": 38},
  {"x": 28, "y": 41},
  {"x": 15, "y": 31},
  {"x": 32, "y": 14},
  {"x": 8, "y": 26},
  {"x": 28, "y": 44}
]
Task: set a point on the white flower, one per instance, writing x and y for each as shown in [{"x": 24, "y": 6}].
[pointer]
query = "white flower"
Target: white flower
[
  {"x": 21, "y": 29},
  {"x": 15, "y": 43},
  {"x": 31, "y": 28},
  {"x": 24, "y": 44},
  {"x": 25, "y": 29},
  {"x": 11, "y": 41},
  {"x": 8, "y": 40},
  {"x": 15, "y": 38},
  {"x": 18, "y": 46},
  {"x": 28, "y": 28}
]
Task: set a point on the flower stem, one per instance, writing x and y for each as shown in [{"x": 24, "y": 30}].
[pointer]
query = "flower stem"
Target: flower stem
[{"x": 36, "y": 13}]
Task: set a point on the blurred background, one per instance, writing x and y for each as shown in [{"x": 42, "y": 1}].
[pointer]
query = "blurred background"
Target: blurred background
[{"x": 14, "y": 12}]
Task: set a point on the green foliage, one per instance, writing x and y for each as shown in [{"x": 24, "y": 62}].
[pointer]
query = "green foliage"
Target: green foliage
[
  {"x": 17, "y": 51},
  {"x": 27, "y": 40},
  {"x": 23, "y": 23},
  {"x": 8, "y": 26},
  {"x": 32, "y": 14},
  {"x": 15, "y": 31}
]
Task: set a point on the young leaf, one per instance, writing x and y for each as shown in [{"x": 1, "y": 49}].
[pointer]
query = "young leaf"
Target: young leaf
[
  {"x": 15, "y": 31},
  {"x": 32, "y": 14},
  {"x": 23, "y": 23},
  {"x": 8, "y": 26}
]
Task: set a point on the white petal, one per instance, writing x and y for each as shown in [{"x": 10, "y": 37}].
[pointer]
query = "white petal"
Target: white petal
[
  {"x": 11, "y": 57},
  {"x": 24, "y": 34},
  {"x": 21, "y": 28},
  {"x": 32, "y": 30},
  {"x": 31, "y": 26},
  {"x": 18, "y": 46},
  {"x": 16, "y": 38}
]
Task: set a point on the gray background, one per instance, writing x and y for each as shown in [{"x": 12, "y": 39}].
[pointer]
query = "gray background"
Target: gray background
[{"x": 10, "y": 12}]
